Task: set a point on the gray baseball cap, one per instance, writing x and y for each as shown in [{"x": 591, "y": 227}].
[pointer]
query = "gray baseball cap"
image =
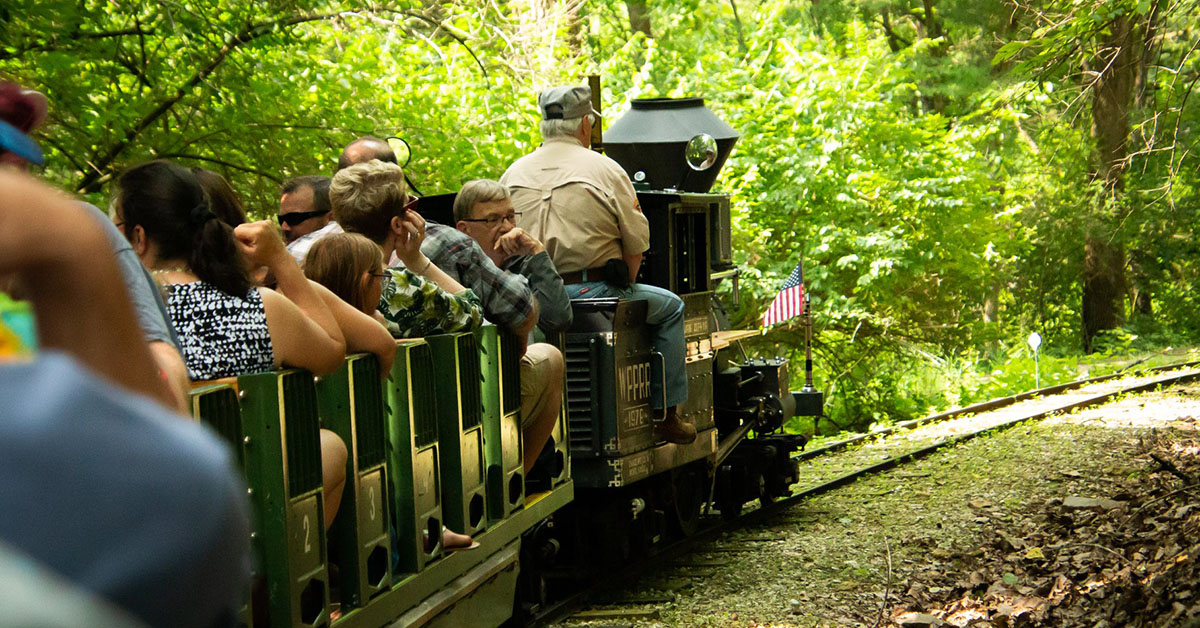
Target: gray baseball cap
[{"x": 566, "y": 102}]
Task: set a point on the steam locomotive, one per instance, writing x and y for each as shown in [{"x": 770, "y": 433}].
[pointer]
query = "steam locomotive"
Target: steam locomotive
[{"x": 437, "y": 442}]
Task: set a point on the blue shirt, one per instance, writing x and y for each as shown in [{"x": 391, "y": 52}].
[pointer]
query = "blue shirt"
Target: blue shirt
[
  {"x": 118, "y": 495},
  {"x": 143, "y": 291}
]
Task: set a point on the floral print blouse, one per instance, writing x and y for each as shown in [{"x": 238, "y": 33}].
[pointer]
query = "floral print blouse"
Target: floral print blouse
[{"x": 415, "y": 307}]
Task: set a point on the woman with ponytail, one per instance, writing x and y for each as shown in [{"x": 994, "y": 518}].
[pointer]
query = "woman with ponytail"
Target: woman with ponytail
[
  {"x": 362, "y": 332},
  {"x": 226, "y": 325}
]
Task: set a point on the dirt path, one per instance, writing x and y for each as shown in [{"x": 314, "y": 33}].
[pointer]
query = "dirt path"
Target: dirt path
[{"x": 1014, "y": 529}]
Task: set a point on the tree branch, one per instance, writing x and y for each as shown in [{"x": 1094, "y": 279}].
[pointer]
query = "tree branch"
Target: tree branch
[
  {"x": 451, "y": 33},
  {"x": 60, "y": 43},
  {"x": 893, "y": 38},
  {"x": 63, "y": 151},
  {"x": 738, "y": 21},
  {"x": 221, "y": 162},
  {"x": 90, "y": 180},
  {"x": 134, "y": 70}
]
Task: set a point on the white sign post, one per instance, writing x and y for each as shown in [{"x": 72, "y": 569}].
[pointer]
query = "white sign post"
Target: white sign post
[{"x": 1035, "y": 341}]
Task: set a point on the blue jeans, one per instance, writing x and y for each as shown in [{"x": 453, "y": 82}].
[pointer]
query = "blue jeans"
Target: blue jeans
[{"x": 665, "y": 316}]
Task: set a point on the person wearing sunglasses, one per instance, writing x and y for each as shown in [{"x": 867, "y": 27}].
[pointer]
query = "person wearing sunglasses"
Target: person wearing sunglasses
[{"x": 304, "y": 213}]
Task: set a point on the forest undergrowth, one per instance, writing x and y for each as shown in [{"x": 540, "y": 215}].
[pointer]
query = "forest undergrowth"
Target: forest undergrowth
[{"x": 1084, "y": 520}]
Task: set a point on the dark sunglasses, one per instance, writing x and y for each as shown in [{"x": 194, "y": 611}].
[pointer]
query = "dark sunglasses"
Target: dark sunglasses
[{"x": 295, "y": 218}]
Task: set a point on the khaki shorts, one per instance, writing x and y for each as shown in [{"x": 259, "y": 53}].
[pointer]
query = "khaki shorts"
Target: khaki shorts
[{"x": 536, "y": 373}]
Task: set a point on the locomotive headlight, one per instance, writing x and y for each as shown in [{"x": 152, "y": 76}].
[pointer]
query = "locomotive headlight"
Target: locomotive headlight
[{"x": 701, "y": 152}]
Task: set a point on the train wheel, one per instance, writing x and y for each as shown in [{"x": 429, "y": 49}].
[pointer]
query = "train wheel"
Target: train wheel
[
  {"x": 690, "y": 484},
  {"x": 727, "y": 498},
  {"x": 764, "y": 496}
]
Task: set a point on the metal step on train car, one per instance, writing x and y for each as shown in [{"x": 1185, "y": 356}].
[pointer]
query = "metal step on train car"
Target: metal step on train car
[{"x": 435, "y": 442}]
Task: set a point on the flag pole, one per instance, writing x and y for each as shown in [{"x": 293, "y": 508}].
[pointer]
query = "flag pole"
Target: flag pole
[{"x": 808, "y": 367}]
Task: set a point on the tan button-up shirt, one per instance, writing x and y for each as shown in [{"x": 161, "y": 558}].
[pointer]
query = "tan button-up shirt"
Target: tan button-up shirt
[{"x": 579, "y": 203}]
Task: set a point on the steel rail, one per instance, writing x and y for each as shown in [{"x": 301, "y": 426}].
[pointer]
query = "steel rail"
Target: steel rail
[
  {"x": 928, "y": 449},
  {"x": 983, "y": 406},
  {"x": 566, "y": 607}
]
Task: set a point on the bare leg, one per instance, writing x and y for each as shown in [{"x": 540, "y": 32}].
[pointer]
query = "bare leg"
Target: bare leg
[
  {"x": 454, "y": 540},
  {"x": 333, "y": 473}
]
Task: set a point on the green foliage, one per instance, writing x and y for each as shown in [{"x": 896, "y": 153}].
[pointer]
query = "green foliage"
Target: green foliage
[{"x": 931, "y": 168}]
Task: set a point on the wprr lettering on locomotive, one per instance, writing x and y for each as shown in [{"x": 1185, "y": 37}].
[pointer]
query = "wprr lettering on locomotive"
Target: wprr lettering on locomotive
[{"x": 633, "y": 382}]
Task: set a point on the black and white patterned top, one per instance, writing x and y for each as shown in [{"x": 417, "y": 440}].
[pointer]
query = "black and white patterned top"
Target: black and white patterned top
[{"x": 220, "y": 335}]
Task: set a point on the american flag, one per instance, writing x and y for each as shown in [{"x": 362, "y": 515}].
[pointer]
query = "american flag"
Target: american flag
[{"x": 790, "y": 300}]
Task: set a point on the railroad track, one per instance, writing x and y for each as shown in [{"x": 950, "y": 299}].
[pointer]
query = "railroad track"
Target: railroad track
[{"x": 822, "y": 471}]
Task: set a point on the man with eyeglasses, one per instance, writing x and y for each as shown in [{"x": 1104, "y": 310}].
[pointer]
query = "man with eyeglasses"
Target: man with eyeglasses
[
  {"x": 583, "y": 207},
  {"x": 507, "y": 299},
  {"x": 484, "y": 211},
  {"x": 304, "y": 213}
]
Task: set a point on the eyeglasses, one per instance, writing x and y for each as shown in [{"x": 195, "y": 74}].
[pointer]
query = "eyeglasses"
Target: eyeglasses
[
  {"x": 295, "y": 218},
  {"x": 383, "y": 274},
  {"x": 492, "y": 221}
]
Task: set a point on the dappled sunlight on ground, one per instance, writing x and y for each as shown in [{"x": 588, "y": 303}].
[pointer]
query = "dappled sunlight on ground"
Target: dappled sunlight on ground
[{"x": 1016, "y": 528}]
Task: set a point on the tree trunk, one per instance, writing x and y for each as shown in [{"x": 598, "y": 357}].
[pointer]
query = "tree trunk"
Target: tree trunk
[
  {"x": 1103, "y": 287},
  {"x": 1142, "y": 303},
  {"x": 1143, "y": 89},
  {"x": 894, "y": 40},
  {"x": 1140, "y": 299},
  {"x": 935, "y": 30},
  {"x": 1112, "y": 95},
  {"x": 639, "y": 16},
  {"x": 991, "y": 306},
  {"x": 1104, "y": 259}
]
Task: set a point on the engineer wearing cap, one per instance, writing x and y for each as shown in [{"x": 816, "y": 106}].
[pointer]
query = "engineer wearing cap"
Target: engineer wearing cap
[{"x": 582, "y": 207}]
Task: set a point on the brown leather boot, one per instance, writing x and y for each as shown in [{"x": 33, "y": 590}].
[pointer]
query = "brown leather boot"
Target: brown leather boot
[{"x": 674, "y": 430}]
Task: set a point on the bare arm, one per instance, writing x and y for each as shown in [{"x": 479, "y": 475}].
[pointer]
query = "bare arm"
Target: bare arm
[
  {"x": 408, "y": 249},
  {"x": 362, "y": 332},
  {"x": 262, "y": 246},
  {"x": 174, "y": 372},
  {"x": 296, "y": 340},
  {"x": 42, "y": 238},
  {"x": 424, "y": 268}
]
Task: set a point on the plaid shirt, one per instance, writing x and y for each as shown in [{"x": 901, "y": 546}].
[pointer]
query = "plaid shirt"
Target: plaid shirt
[{"x": 506, "y": 297}]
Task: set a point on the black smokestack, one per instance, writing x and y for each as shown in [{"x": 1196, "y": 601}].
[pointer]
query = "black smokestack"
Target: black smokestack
[{"x": 652, "y": 137}]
